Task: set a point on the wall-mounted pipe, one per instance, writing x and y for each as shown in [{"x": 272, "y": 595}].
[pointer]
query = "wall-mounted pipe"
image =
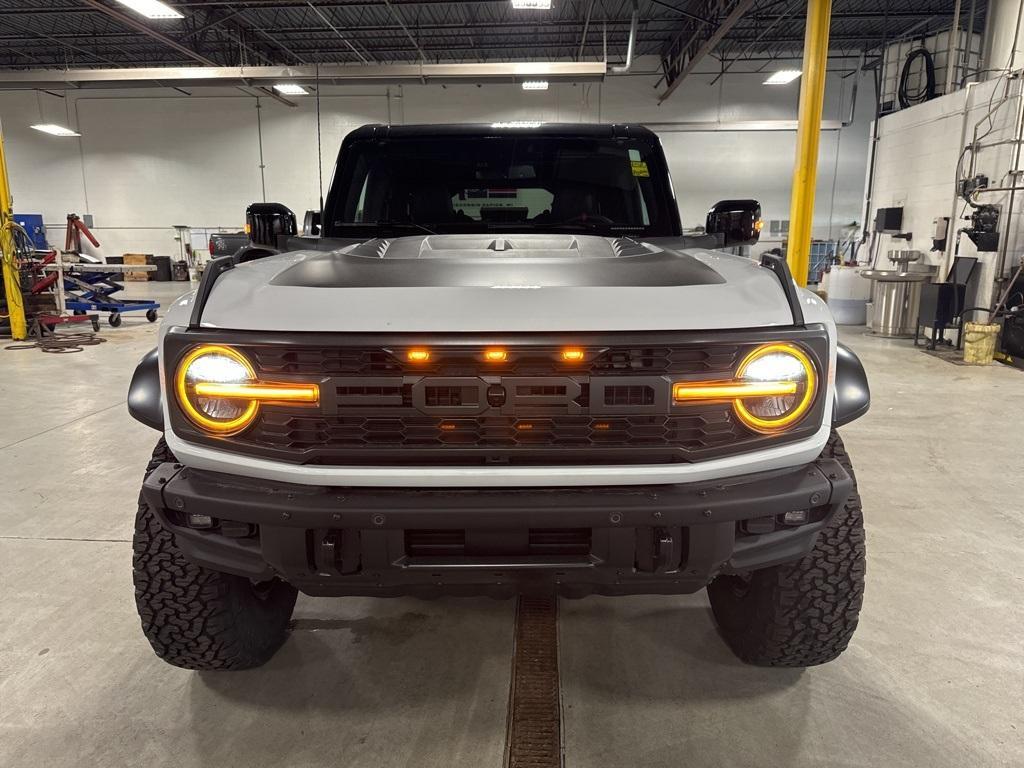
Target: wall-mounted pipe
[{"x": 633, "y": 23}]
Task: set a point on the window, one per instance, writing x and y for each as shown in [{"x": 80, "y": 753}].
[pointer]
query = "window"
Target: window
[{"x": 510, "y": 183}]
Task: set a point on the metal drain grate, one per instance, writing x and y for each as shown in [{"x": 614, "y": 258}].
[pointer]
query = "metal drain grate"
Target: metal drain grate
[{"x": 534, "y": 738}]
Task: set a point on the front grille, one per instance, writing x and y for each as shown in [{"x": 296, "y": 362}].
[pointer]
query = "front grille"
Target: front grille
[
  {"x": 551, "y": 542},
  {"x": 532, "y": 361},
  {"x": 292, "y": 432},
  {"x": 609, "y": 405},
  {"x": 629, "y": 395}
]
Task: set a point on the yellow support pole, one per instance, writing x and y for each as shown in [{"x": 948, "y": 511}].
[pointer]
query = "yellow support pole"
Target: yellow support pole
[
  {"x": 12, "y": 280},
  {"x": 805, "y": 169}
]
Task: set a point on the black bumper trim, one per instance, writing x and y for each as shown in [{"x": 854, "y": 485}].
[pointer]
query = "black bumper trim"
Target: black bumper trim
[{"x": 698, "y": 520}]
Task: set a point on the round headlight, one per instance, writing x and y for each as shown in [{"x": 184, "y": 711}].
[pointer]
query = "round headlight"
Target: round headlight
[
  {"x": 787, "y": 366},
  {"x": 215, "y": 365}
]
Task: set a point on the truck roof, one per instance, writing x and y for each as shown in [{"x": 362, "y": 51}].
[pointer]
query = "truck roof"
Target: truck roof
[{"x": 589, "y": 130}]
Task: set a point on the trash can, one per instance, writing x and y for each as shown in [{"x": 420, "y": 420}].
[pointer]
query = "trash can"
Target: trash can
[
  {"x": 163, "y": 268},
  {"x": 980, "y": 343}
]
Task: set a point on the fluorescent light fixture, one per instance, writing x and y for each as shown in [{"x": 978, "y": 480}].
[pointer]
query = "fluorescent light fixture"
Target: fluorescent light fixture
[
  {"x": 517, "y": 124},
  {"x": 532, "y": 5},
  {"x": 291, "y": 89},
  {"x": 54, "y": 130},
  {"x": 783, "y": 76},
  {"x": 152, "y": 9},
  {"x": 535, "y": 85}
]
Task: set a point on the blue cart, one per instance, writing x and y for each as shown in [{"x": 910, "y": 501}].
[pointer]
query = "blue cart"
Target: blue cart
[{"x": 91, "y": 288}]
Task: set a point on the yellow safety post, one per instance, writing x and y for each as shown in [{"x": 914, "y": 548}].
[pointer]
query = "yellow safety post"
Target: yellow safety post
[
  {"x": 808, "y": 133},
  {"x": 12, "y": 280}
]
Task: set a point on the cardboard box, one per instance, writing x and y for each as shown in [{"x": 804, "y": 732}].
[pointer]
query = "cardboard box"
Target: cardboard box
[{"x": 138, "y": 259}]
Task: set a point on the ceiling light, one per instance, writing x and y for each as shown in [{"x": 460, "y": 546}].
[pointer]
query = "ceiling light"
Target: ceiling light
[
  {"x": 533, "y": 5},
  {"x": 55, "y": 130},
  {"x": 291, "y": 89},
  {"x": 535, "y": 85},
  {"x": 152, "y": 9},
  {"x": 783, "y": 76},
  {"x": 516, "y": 124}
]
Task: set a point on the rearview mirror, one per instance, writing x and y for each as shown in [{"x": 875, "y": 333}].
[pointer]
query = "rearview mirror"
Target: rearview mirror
[
  {"x": 738, "y": 221},
  {"x": 268, "y": 223}
]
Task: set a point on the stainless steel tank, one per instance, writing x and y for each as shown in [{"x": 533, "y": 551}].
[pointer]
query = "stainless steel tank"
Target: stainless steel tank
[{"x": 896, "y": 294}]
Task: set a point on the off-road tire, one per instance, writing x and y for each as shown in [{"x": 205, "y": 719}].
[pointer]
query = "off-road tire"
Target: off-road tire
[
  {"x": 196, "y": 618},
  {"x": 803, "y": 613}
]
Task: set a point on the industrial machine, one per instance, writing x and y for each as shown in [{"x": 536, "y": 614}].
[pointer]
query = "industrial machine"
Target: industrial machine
[{"x": 943, "y": 304}]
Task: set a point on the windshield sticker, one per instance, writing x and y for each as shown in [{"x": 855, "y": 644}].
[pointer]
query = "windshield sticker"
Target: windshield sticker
[{"x": 639, "y": 168}]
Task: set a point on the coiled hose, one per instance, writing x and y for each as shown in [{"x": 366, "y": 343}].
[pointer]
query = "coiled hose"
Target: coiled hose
[{"x": 926, "y": 93}]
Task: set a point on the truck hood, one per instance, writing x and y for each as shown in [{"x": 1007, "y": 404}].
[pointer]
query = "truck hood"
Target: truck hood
[{"x": 491, "y": 283}]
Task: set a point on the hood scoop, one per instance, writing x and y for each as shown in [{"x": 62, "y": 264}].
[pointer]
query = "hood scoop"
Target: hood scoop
[
  {"x": 488, "y": 261},
  {"x": 549, "y": 246}
]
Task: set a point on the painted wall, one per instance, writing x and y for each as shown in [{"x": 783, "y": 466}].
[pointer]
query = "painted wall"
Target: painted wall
[
  {"x": 916, "y": 168},
  {"x": 148, "y": 159}
]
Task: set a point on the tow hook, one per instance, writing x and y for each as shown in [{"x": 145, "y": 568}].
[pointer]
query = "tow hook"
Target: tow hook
[{"x": 665, "y": 548}]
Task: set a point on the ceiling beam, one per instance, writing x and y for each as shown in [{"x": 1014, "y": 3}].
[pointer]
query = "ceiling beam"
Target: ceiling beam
[
  {"x": 509, "y": 73},
  {"x": 707, "y": 46},
  {"x": 138, "y": 26},
  {"x": 171, "y": 43}
]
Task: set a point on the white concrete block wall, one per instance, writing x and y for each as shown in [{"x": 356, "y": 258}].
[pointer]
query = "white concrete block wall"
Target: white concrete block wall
[
  {"x": 154, "y": 157},
  {"x": 915, "y": 168}
]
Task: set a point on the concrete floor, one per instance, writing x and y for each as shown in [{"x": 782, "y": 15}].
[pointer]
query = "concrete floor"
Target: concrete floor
[{"x": 934, "y": 676}]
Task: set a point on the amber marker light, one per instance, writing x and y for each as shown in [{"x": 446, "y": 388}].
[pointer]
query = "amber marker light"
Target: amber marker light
[
  {"x": 730, "y": 390},
  {"x": 281, "y": 393},
  {"x": 573, "y": 355},
  {"x": 495, "y": 355},
  {"x": 418, "y": 355}
]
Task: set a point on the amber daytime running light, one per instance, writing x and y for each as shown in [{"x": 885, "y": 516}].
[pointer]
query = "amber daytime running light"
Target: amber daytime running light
[
  {"x": 218, "y": 390},
  {"x": 773, "y": 388}
]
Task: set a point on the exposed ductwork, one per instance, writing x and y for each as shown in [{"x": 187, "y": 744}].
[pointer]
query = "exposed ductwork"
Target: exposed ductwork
[{"x": 634, "y": 22}]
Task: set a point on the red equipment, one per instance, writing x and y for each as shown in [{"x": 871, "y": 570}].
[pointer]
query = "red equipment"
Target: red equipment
[{"x": 73, "y": 236}]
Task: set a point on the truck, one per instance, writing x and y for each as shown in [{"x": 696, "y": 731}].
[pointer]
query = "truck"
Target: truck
[{"x": 494, "y": 364}]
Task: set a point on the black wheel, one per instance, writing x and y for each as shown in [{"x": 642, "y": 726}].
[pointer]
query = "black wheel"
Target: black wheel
[
  {"x": 196, "y": 618},
  {"x": 114, "y": 319},
  {"x": 803, "y": 613},
  {"x": 151, "y": 315},
  {"x": 79, "y": 312},
  {"x": 95, "y": 324}
]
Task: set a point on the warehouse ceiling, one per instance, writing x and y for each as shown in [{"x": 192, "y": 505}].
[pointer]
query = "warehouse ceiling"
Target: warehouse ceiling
[{"x": 712, "y": 35}]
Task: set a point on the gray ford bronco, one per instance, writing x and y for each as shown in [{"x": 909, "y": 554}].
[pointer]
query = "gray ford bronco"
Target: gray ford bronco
[{"x": 494, "y": 364}]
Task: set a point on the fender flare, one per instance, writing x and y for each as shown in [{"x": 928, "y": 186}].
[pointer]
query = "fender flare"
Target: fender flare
[
  {"x": 852, "y": 395},
  {"x": 145, "y": 402}
]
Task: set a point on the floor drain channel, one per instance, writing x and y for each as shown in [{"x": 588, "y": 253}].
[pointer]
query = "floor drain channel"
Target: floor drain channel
[{"x": 534, "y": 737}]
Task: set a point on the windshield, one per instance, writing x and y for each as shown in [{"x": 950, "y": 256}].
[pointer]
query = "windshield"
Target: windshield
[{"x": 615, "y": 187}]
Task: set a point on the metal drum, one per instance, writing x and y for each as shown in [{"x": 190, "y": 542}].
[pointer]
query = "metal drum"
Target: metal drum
[{"x": 896, "y": 294}]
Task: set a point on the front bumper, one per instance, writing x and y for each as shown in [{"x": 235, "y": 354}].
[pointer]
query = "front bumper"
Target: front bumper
[{"x": 645, "y": 539}]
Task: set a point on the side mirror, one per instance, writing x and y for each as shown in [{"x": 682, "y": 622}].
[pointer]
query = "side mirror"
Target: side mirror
[
  {"x": 311, "y": 224},
  {"x": 738, "y": 221},
  {"x": 267, "y": 223}
]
